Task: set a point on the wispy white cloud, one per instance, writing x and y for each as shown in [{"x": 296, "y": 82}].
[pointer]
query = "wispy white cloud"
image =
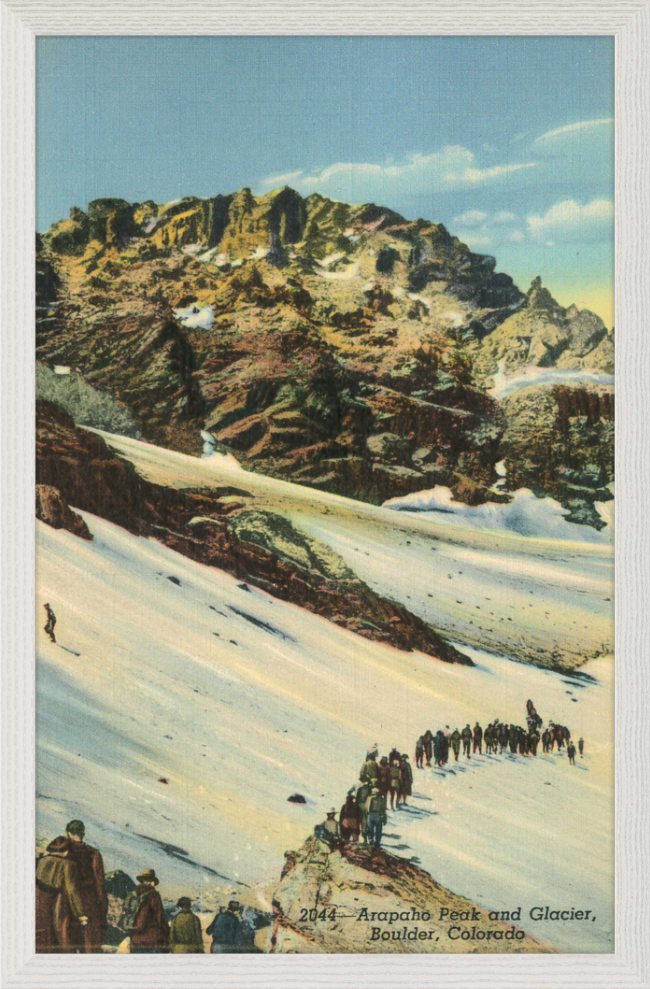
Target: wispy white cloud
[
  {"x": 453, "y": 167},
  {"x": 273, "y": 181},
  {"x": 476, "y": 176},
  {"x": 569, "y": 221},
  {"x": 471, "y": 218},
  {"x": 580, "y": 126},
  {"x": 504, "y": 216},
  {"x": 477, "y": 240},
  {"x": 516, "y": 237}
]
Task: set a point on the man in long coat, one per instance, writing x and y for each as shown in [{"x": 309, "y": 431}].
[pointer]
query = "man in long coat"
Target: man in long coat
[
  {"x": 74, "y": 930},
  {"x": 150, "y": 931},
  {"x": 59, "y": 905}
]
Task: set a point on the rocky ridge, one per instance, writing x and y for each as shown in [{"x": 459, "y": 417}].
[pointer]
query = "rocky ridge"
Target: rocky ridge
[
  {"x": 338, "y": 346},
  {"x": 222, "y": 528}
]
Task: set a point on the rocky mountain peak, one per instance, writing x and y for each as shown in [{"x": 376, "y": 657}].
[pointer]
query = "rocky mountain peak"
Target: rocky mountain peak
[{"x": 539, "y": 298}]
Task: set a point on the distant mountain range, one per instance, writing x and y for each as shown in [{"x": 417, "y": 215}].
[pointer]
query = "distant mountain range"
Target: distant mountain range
[{"x": 338, "y": 346}]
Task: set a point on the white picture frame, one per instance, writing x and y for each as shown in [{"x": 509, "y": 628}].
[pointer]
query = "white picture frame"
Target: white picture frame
[{"x": 629, "y": 20}]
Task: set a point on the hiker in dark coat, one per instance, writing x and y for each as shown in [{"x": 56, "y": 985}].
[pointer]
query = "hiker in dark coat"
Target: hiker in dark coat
[
  {"x": 185, "y": 936},
  {"x": 444, "y": 748},
  {"x": 546, "y": 740},
  {"x": 428, "y": 745},
  {"x": 393, "y": 754},
  {"x": 419, "y": 753},
  {"x": 71, "y": 934},
  {"x": 150, "y": 931},
  {"x": 362, "y": 795},
  {"x": 466, "y": 736},
  {"x": 571, "y": 752},
  {"x": 383, "y": 780},
  {"x": 533, "y": 741},
  {"x": 513, "y": 739},
  {"x": 395, "y": 775},
  {"x": 455, "y": 743},
  {"x": 50, "y": 623},
  {"x": 581, "y": 747},
  {"x": 59, "y": 904},
  {"x": 376, "y": 814},
  {"x": 437, "y": 742},
  {"x": 90, "y": 868},
  {"x": 225, "y": 931},
  {"x": 350, "y": 820},
  {"x": 523, "y": 745},
  {"x": 478, "y": 739},
  {"x": 405, "y": 778}
]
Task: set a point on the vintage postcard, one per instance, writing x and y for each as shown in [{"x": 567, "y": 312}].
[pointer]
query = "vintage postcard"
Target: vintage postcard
[{"x": 325, "y": 495}]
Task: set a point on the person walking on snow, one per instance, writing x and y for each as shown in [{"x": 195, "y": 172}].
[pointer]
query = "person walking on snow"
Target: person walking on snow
[
  {"x": 394, "y": 784},
  {"x": 571, "y": 752},
  {"x": 478, "y": 739},
  {"x": 455, "y": 743},
  {"x": 419, "y": 753},
  {"x": 428, "y": 745},
  {"x": 581, "y": 746},
  {"x": 350, "y": 820},
  {"x": 383, "y": 779},
  {"x": 466, "y": 735},
  {"x": 405, "y": 778},
  {"x": 376, "y": 814},
  {"x": 50, "y": 623}
]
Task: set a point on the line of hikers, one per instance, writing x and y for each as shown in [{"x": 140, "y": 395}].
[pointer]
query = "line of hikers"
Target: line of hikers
[
  {"x": 382, "y": 782},
  {"x": 497, "y": 738},
  {"x": 72, "y": 908}
]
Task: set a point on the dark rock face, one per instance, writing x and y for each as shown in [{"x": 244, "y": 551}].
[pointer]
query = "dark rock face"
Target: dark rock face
[
  {"x": 51, "y": 509},
  {"x": 257, "y": 546},
  {"x": 560, "y": 441}
]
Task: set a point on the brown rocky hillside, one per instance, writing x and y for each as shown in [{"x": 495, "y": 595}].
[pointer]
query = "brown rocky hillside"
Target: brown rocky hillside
[{"x": 339, "y": 346}]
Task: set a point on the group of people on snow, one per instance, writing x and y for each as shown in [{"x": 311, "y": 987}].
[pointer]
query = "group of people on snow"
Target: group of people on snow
[
  {"x": 72, "y": 908},
  {"x": 498, "y": 737},
  {"x": 383, "y": 782}
]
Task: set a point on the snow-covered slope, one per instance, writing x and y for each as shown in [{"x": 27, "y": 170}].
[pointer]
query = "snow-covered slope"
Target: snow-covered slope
[
  {"x": 525, "y": 596},
  {"x": 526, "y": 514},
  {"x": 175, "y": 717}
]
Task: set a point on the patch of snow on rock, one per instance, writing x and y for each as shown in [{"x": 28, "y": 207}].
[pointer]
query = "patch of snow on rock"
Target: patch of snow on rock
[
  {"x": 547, "y": 376},
  {"x": 525, "y": 514},
  {"x": 196, "y": 317}
]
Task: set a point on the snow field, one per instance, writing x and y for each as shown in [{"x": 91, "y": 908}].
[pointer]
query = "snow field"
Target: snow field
[{"x": 238, "y": 700}]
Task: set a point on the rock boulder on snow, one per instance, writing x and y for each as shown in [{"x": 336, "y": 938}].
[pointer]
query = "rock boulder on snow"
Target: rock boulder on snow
[{"x": 53, "y": 510}]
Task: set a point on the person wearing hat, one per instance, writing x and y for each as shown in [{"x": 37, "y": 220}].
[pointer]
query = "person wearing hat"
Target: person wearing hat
[
  {"x": 226, "y": 932},
  {"x": 331, "y": 825},
  {"x": 185, "y": 935},
  {"x": 150, "y": 931},
  {"x": 376, "y": 816},
  {"x": 76, "y": 870}
]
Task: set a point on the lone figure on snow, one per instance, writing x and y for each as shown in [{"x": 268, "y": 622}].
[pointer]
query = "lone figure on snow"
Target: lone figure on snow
[{"x": 50, "y": 623}]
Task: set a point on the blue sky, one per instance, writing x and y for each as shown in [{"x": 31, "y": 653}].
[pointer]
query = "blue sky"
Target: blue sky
[{"x": 507, "y": 141}]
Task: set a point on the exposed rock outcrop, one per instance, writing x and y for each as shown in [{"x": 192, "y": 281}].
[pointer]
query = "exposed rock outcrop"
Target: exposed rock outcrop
[
  {"x": 327, "y": 897},
  {"x": 52, "y": 509},
  {"x": 222, "y": 528}
]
